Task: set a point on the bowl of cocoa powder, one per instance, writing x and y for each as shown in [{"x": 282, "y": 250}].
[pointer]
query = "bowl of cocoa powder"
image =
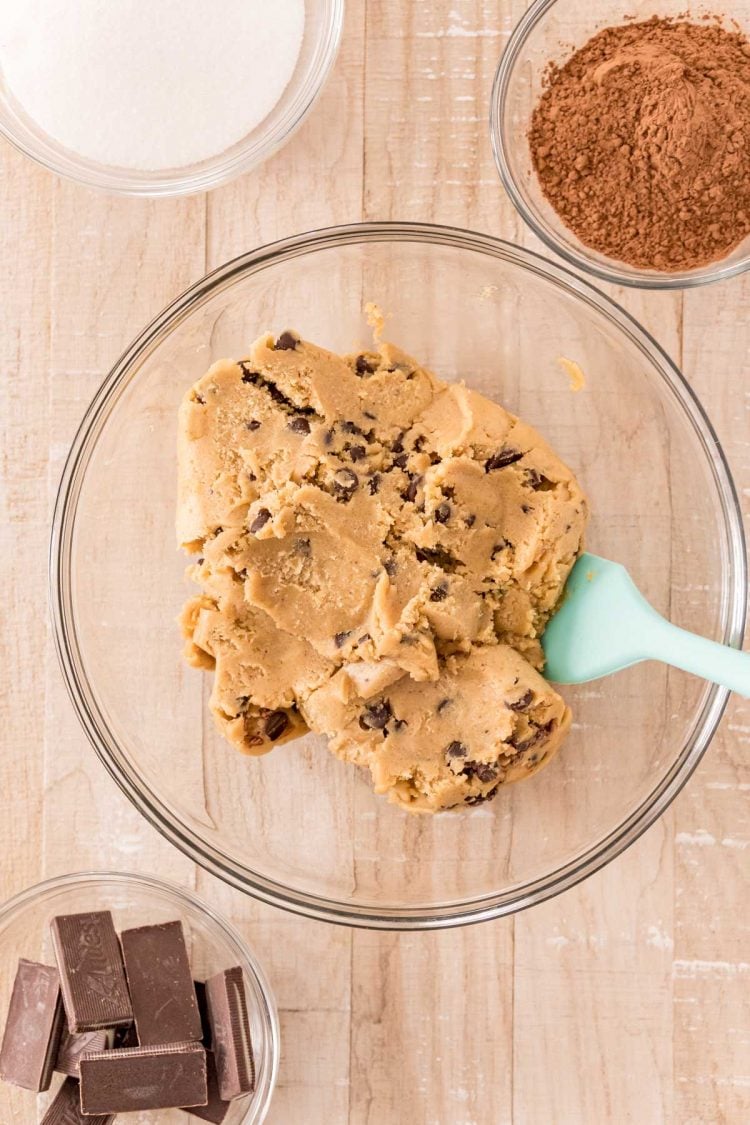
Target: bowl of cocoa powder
[{"x": 623, "y": 137}]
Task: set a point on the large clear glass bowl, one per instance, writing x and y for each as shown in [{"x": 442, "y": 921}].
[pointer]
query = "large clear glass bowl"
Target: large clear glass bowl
[
  {"x": 550, "y": 31},
  {"x": 137, "y": 900},
  {"x": 320, "y": 41},
  {"x": 297, "y": 827}
]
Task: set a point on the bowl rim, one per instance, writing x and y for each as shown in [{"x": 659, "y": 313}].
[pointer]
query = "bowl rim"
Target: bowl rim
[
  {"x": 209, "y": 173},
  {"x": 629, "y": 276},
  {"x": 89, "y": 877},
  {"x": 494, "y": 905}
]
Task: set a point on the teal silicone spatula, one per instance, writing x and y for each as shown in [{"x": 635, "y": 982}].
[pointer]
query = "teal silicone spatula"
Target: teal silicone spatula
[{"x": 605, "y": 624}]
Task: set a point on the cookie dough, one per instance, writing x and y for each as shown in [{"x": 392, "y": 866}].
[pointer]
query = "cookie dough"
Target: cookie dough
[{"x": 374, "y": 542}]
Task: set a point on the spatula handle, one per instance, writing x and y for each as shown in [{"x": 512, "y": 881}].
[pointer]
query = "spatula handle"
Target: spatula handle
[{"x": 718, "y": 663}]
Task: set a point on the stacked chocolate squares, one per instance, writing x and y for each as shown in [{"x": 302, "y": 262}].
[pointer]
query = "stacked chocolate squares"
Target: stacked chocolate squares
[{"x": 124, "y": 1021}]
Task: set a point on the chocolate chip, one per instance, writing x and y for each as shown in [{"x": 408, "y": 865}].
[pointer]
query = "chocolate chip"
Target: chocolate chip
[
  {"x": 538, "y": 481},
  {"x": 390, "y": 568},
  {"x": 526, "y": 509},
  {"x": 374, "y": 483},
  {"x": 328, "y": 437},
  {"x": 200, "y": 561},
  {"x": 502, "y": 459},
  {"x": 438, "y": 556},
  {"x": 298, "y": 426},
  {"x": 442, "y": 513},
  {"x": 455, "y": 750},
  {"x": 303, "y": 547},
  {"x": 400, "y": 461},
  {"x": 449, "y": 491},
  {"x": 260, "y": 521},
  {"x": 482, "y": 797},
  {"x": 483, "y": 770},
  {"x": 376, "y": 715},
  {"x": 470, "y": 521},
  {"x": 442, "y": 705},
  {"x": 364, "y": 366},
  {"x": 398, "y": 445},
  {"x": 365, "y": 637},
  {"x": 372, "y": 417},
  {"x": 357, "y": 452},
  {"x": 287, "y": 342},
  {"x": 275, "y": 725},
  {"x": 248, "y": 375},
  {"x": 345, "y": 483},
  {"x": 351, "y": 428},
  {"x": 412, "y": 488},
  {"x": 539, "y": 735},
  {"x": 253, "y": 424},
  {"x": 341, "y": 638},
  {"x": 199, "y": 399},
  {"x": 499, "y": 548},
  {"x": 522, "y": 703},
  {"x": 440, "y": 593},
  {"x": 419, "y": 444},
  {"x": 399, "y": 724}
]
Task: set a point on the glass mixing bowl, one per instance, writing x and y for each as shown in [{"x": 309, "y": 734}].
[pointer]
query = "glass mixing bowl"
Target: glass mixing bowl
[
  {"x": 298, "y": 828},
  {"x": 320, "y": 41},
  {"x": 550, "y": 31},
  {"x": 137, "y": 900}
]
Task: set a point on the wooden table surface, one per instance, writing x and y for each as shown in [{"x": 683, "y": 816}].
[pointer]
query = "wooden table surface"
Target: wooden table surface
[{"x": 624, "y": 1000}]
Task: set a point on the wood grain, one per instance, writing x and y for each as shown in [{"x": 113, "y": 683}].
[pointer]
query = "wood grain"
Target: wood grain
[{"x": 626, "y": 999}]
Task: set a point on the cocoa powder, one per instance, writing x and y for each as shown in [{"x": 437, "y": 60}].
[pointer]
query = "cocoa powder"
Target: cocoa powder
[{"x": 641, "y": 142}]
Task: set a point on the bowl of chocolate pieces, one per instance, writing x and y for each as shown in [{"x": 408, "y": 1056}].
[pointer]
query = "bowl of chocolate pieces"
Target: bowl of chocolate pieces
[{"x": 122, "y": 995}]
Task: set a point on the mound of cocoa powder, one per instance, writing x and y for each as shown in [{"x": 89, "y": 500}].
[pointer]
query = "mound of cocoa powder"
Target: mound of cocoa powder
[{"x": 641, "y": 142}]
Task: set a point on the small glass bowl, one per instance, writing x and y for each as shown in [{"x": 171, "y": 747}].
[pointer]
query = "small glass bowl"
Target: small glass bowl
[
  {"x": 136, "y": 900},
  {"x": 550, "y": 31},
  {"x": 321, "y": 36},
  {"x": 297, "y": 827}
]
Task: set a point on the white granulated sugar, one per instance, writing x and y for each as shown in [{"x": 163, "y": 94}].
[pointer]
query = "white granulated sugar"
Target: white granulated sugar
[{"x": 149, "y": 84}]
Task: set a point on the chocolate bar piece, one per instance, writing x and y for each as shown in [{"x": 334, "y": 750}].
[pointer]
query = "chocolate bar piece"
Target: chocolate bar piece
[
  {"x": 169, "y": 1076},
  {"x": 66, "y": 1108},
  {"x": 215, "y": 1109},
  {"x": 161, "y": 984},
  {"x": 33, "y": 1028},
  {"x": 94, "y": 990},
  {"x": 230, "y": 1033},
  {"x": 200, "y": 995},
  {"x": 72, "y": 1047}
]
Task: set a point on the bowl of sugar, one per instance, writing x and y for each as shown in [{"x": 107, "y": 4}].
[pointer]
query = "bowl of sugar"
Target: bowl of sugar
[{"x": 160, "y": 99}]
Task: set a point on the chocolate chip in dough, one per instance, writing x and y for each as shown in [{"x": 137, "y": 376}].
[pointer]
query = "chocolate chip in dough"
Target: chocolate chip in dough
[
  {"x": 522, "y": 703},
  {"x": 455, "y": 750},
  {"x": 253, "y": 424},
  {"x": 345, "y": 483},
  {"x": 260, "y": 520},
  {"x": 363, "y": 365},
  {"x": 341, "y": 638},
  {"x": 357, "y": 452},
  {"x": 410, "y": 493},
  {"x": 299, "y": 426},
  {"x": 439, "y": 593},
  {"x": 287, "y": 342},
  {"x": 374, "y": 483},
  {"x": 502, "y": 459},
  {"x": 376, "y": 715},
  {"x": 275, "y": 725},
  {"x": 442, "y": 513}
]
